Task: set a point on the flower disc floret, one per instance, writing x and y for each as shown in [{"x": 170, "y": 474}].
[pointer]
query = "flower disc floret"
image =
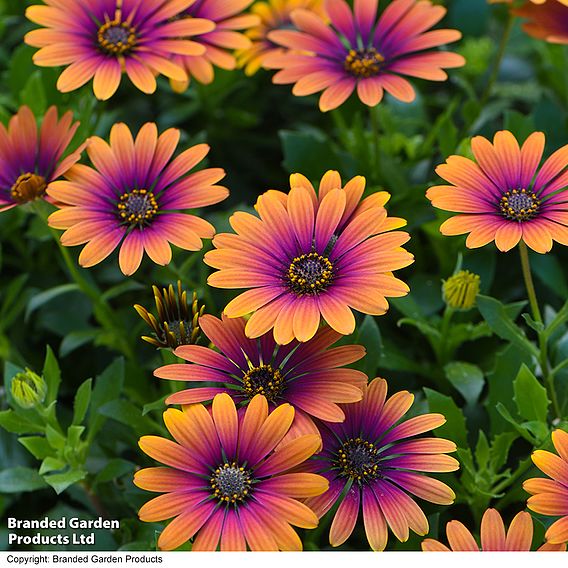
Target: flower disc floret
[
  {"x": 28, "y": 187},
  {"x": 116, "y": 37},
  {"x": 230, "y": 483}
]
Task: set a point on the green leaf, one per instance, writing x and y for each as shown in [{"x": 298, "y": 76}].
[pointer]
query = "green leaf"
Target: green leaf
[
  {"x": 20, "y": 479},
  {"x": 306, "y": 151},
  {"x": 498, "y": 318},
  {"x": 52, "y": 376},
  {"x": 61, "y": 481},
  {"x": 108, "y": 386},
  {"x": 530, "y": 396},
  {"x": 125, "y": 412},
  {"x": 369, "y": 336},
  {"x": 114, "y": 469},
  {"x": 500, "y": 447},
  {"x": 77, "y": 339},
  {"x": 455, "y": 427},
  {"x": 55, "y": 439},
  {"x": 524, "y": 432},
  {"x": 156, "y": 405},
  {"x": 46, "y": 296},
  {"x": 38, "y": 446},
  {"x": 33, "y": 94},
  {"x": 482, "y": 452},
  {"x": 51, "y": 464},
  {"x": 74, "y": 434},
  {"x": 466, "y": 378},
  {"x": 82, "y": 400},
  {"x": 17, "y": 424}
]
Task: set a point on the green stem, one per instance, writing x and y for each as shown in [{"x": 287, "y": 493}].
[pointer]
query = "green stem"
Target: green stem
[
  {"x": 498, "y": 60},
  {"x": 543, "y": 344},
  {"x": 525, "y": 264},
  {"x": 376, "y": 156},
  {"x": 103, "y": 312},
  {"x": 442, "y": 348}
]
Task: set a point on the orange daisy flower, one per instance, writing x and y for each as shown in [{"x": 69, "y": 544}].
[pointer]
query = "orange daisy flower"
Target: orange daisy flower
[
  {"x": 31, "y": 157},
  {"x": 219, "y": 43},
  {"x": 102, "y": 39},
  {"x": 134, "y": 196},
  {"x": 273, "y": 15},
  {"x": 375, "y": 461},
  {"x": 361, "y": 51},
  {"x": 547, "y": 20},
  {"x": 503, "y": 196},
  {"x": 226, "y": 485},
  {"x": 494, "y": 537},
  {"x": 550, "y": 496},
  {"x": 308, "y": 255}
]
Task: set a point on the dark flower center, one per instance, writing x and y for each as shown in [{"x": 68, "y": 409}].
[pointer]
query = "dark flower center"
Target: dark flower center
[
  {"x": 359, "y": 460},
  {"x": 519, "y": 205},
  {"x": 28, "y": 187},
  {"x": 363, "y": 62},
  {"x": 309, "y": 274},
  {"x": 230, "y": 483},
  {"x": 116, "y": 37},
  {"x": 137, "y": 207},
  {"x": 180, "y": 329},
  {"x": 264, "y": 380}
]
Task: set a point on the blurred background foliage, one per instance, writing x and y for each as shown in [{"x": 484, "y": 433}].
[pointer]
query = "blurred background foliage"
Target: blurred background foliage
[{"x": 260, "y": 133}]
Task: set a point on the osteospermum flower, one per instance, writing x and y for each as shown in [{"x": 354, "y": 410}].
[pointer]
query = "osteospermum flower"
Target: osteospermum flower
[
  {"x": 31, "y": 158},
  {"x": 310, "y": 375},
  {"x": 546, "y": 20},
  {"x": 102, "y": 39},
  {"x": 550, "y": 496},
  {"x": 360, "y": 51},
  {"x": 494, "y": 537},
  {"x": 133, "y": 197},
  {"x": 219, "y": 43},
  {"x": 308, "y": 255},
  {"x": 225, "y": 485},
  {"x": 372, "y": 466},
  {"x": 178, "y": 319},
  {"x": 273, "y": 15},
  {"x": 503, "y": 195}
]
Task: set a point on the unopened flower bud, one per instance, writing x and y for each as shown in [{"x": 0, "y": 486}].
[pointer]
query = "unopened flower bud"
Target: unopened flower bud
[
  {"x": 28, "y": 389},
  {"x": 461, "y": 289}
]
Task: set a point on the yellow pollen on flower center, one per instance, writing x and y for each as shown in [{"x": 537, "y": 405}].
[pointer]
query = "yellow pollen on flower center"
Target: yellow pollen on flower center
[
  {"x": 137, "y": 207},
  {"x": 519, "y": 205},
  {"x": 363, "y": 62},
  {"x": 230, "y": 483},
  {"x": 309, "y": 274},
  {"x": 28, "y": 187},
  {"x": 359, "y": 460},
  {"x": 264, "y": 380},
  {"x": 116, "y": 37}
]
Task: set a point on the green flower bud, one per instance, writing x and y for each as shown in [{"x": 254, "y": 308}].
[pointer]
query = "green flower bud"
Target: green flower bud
[
  {"x": 28, "y": 389},
  {"x": 461, "y": 289}
]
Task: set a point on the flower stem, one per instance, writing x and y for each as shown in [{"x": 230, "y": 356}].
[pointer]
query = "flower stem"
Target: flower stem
[
  {"x": 543, "y": 344},
  {"x": 102, "y": 311},
  {"x": 375, "y": 166},
  {"x": 525, "y": 264},
  {"x": 499, "y": 59}
]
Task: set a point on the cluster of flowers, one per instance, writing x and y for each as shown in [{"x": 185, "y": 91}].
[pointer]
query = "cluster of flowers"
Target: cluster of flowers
[{"x": 291, "y": 431}]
